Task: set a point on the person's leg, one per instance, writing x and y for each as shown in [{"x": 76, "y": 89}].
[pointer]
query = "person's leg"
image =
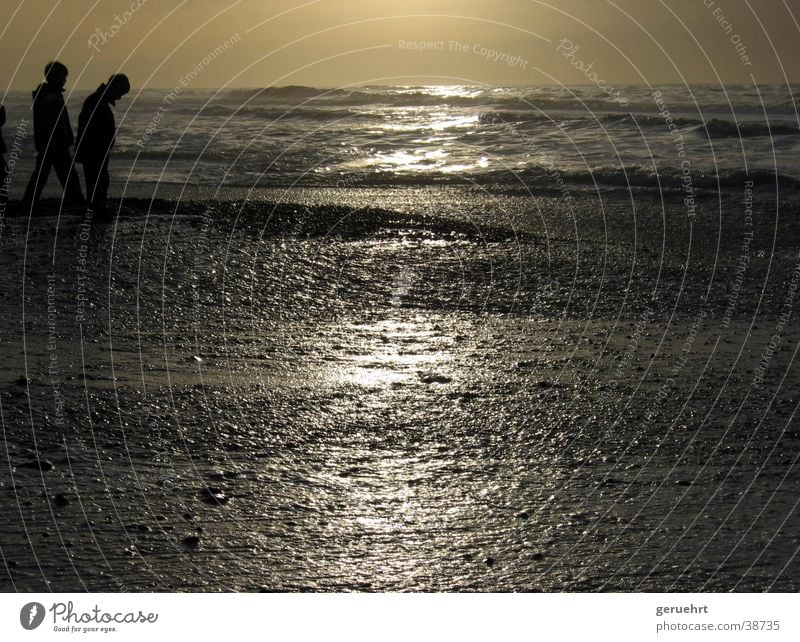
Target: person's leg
[
  {"x": 65, "y": 170},
  {"x": 91, "y": 172},
  {"x": 97, "y": 181},
  {"x": 38, "y": 180},
  {"x": 101, "y": 190}
]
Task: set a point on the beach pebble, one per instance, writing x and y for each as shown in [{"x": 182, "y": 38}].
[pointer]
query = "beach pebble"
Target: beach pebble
[
  {"x": 192, "y": 541},
  {"x": 463, "y": 396},
  {"x": 22, "y": 381},
  {"x": 489, "y": 561},
  {"x": 213, "y": 495},
  {"x": 435, "y": 378},
  {"x": 537, "y": 556},
  {"x": 40, "y": 464},
  {"x": 523, "y": 515},
  {"x": 61, "y": 501}
]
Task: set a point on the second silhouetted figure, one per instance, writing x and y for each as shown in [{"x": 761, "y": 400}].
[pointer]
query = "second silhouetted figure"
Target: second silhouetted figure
[{"x": 96, "y": 133}]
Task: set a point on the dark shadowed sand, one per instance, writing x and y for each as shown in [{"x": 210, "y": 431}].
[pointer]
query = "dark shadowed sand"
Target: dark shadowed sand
[{"x": 403, "y": 390}]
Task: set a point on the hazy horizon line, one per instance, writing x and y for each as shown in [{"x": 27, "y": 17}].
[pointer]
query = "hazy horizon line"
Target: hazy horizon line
[{"x": 476, "y": 85}]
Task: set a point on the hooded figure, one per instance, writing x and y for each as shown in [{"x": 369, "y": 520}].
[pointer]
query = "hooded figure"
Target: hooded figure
[
  {"x": 96, "y": 133},
  {"x": 53, "y": 138}
]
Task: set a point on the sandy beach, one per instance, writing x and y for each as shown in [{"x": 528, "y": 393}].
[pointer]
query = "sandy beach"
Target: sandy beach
[{"x": 402, "y": 389}]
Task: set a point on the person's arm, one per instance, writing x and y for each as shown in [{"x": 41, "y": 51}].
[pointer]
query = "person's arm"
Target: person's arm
[{"x": 103, "y": 135}]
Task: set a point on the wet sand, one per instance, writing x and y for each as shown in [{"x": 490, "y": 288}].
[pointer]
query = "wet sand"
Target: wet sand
[{"x": 452, "y": 391}]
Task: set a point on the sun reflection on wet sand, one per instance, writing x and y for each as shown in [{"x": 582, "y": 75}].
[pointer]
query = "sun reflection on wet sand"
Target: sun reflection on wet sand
[
  {"x": 392, "y": 516},
  {"x": 390, "y": 352},
  {"x": 389, "y": 511}
]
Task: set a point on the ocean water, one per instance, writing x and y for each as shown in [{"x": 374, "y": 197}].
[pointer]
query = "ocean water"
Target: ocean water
[{"x": 538, "y": 138}]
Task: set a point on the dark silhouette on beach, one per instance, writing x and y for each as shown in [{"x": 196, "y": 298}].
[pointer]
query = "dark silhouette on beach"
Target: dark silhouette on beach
[
  {"x": 96, "y": 133},
  {"x": 53, "y": 137},
  {"x": 3, "y": 150}
]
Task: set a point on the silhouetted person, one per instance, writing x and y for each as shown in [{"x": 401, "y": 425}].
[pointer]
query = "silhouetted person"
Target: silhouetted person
[
  {"x": 3, "y": 150},
  {"x": 96, "y": 133},
  {"x": 53, "y": 137}
]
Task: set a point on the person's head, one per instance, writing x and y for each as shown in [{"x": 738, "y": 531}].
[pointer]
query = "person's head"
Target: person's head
[
  {"x": 116, "y": 87},
  {"x": 56, "y": 74}
]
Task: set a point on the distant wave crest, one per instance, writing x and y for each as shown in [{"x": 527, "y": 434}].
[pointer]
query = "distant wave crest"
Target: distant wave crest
[{"x": 727, "y": 129}]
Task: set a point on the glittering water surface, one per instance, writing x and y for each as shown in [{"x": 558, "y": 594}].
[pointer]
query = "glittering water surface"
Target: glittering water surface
[
  {"x": 441, "y": 395},
  {"x": 532, "y": 136}
]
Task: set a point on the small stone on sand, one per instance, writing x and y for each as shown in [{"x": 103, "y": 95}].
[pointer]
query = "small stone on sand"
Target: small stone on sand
[
  {"x": 435, "y": 378},
  {"x": 41, "y": 464},
  {"x": 193, "y": 541},
  {"x": 214, "y": 496}
]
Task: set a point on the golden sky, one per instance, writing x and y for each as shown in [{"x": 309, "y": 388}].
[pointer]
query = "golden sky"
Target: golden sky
[{"x": 343, "y": 42}]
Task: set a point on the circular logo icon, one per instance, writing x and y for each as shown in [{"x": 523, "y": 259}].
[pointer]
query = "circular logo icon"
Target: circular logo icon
[{"x": 31, "y": 616}]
